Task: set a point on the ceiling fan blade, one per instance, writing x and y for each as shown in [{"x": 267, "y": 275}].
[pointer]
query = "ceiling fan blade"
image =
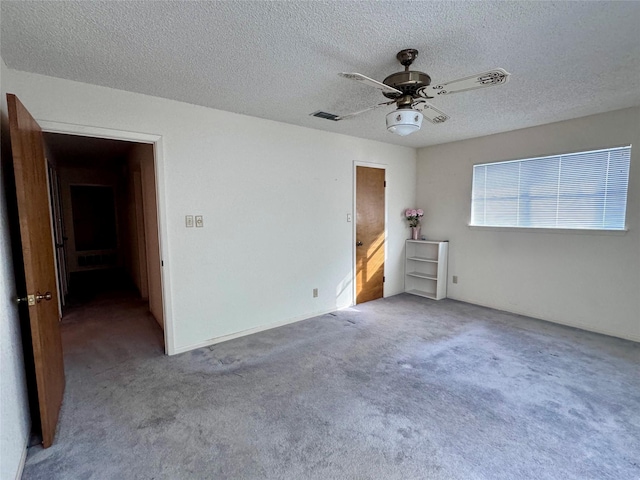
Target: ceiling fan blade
[
  {"x": 497, "y": 76},
  {"x": 350, "y": 115},
  {"x": 430, "y": 112},
  {"x": 371, "y": 82}
]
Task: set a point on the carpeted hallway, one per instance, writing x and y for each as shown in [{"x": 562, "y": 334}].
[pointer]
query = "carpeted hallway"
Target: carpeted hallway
[{"x": 400, "y": 388}]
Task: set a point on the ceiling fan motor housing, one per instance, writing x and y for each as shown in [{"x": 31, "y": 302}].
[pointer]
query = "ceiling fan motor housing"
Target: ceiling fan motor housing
[{"x": 408, "y": 82}]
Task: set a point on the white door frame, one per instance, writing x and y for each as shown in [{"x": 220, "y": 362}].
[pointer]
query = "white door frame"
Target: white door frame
[
  {"x": 383, "y": 166},
  {"x": 163, "y": 233}
]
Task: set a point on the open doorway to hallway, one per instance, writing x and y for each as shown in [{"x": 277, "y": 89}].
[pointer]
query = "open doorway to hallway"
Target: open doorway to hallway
[
  {"x": 105, "y": 221},
  {"x": 44, "y": 194}
]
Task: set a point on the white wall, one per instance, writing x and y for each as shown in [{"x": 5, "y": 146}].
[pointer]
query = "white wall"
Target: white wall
[
  {"x": 587, "y": 280},
  {"x": 14, "y": 409},
  {"x": 274, "y": 199}
]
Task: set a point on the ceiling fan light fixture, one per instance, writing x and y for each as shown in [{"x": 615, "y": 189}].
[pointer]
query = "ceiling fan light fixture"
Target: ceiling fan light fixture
[{"x": 404, "y": 121}]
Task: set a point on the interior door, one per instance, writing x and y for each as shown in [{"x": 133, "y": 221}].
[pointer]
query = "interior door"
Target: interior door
[
  {"x": 30, "y": 168},
  {"x": 370, "y": 228}
]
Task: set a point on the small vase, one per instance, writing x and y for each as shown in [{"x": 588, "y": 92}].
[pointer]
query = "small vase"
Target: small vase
[{"x": 415, "y": 233}]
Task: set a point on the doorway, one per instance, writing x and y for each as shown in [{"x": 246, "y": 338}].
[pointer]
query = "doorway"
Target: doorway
[
  {"x": 74, "y": 187},
  {"x": 107, "y": 219},
  {"x": 370, "y": 231}
]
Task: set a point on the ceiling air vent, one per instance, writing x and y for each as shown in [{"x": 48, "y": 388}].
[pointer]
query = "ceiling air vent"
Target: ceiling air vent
[{"x": 328, "y": 116}]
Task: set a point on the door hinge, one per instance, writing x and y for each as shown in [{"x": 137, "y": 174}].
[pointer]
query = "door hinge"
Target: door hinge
[
  {"x": 385, "y": 183},
  {"x": 384, "y": 279},
  {"x": 162, "y": 263}
]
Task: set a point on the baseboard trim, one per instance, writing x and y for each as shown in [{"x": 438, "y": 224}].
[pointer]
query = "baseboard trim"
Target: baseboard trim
[
  {"x": 251, "y": 331},
  {"x": 23, "y": 461},
  {"x": 609, "y": 333}
]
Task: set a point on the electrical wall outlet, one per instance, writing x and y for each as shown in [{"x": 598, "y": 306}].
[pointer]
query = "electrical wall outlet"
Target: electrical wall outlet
[
  {"x": 455, "y": 279},
  {"x": 348, "y": 217},
  {"x": 315, "y": 292},
  {"x": 188, "y": 221},
  {"x": 199, "y": 221}
]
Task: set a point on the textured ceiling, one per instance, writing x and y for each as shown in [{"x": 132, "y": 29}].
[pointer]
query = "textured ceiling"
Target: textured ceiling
[{"x": 279, "y": 60}]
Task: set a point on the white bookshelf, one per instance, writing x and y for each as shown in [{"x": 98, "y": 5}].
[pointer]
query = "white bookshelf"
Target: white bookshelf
[{"x": 425, "y": 268}]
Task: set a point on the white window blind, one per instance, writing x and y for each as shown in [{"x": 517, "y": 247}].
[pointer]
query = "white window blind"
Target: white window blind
[{"x": 586, "y": 190}]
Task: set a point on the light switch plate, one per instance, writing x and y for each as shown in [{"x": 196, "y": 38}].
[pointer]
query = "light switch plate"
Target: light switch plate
[
  {"x": 188, "y": 221},
  {"x": 348, "y": 217},
  {"x": 199, "y": 221}
]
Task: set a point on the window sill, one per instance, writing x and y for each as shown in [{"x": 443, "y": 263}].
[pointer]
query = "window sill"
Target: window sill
[{"x": 577, "y": 231}]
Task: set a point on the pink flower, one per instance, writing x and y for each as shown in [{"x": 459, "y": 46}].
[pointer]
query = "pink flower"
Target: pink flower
[
  {"x": 414, "y": 213},
  {"x": 420, "y": 212},
  {"x": 407, "y": 213}
]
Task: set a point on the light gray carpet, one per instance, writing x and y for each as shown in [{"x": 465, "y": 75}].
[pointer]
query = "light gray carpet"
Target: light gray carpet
[{"x": 400, "y": 388}]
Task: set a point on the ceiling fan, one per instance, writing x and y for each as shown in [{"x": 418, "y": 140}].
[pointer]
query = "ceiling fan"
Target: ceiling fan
[{"x": 410, "y": 89}]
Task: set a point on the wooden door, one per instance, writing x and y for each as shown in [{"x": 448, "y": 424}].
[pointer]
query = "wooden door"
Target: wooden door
[
  {"x": 370, "y": 227},
  {"x": 32, "y": 194}
]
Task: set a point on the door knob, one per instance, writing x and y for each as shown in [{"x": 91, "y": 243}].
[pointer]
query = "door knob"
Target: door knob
[
  {"x": 359, "y": 243},
  {"x": 46, "y": 296}
]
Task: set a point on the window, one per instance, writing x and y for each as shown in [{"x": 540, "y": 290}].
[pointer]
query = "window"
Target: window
[{"x": 586, "y": 190}]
